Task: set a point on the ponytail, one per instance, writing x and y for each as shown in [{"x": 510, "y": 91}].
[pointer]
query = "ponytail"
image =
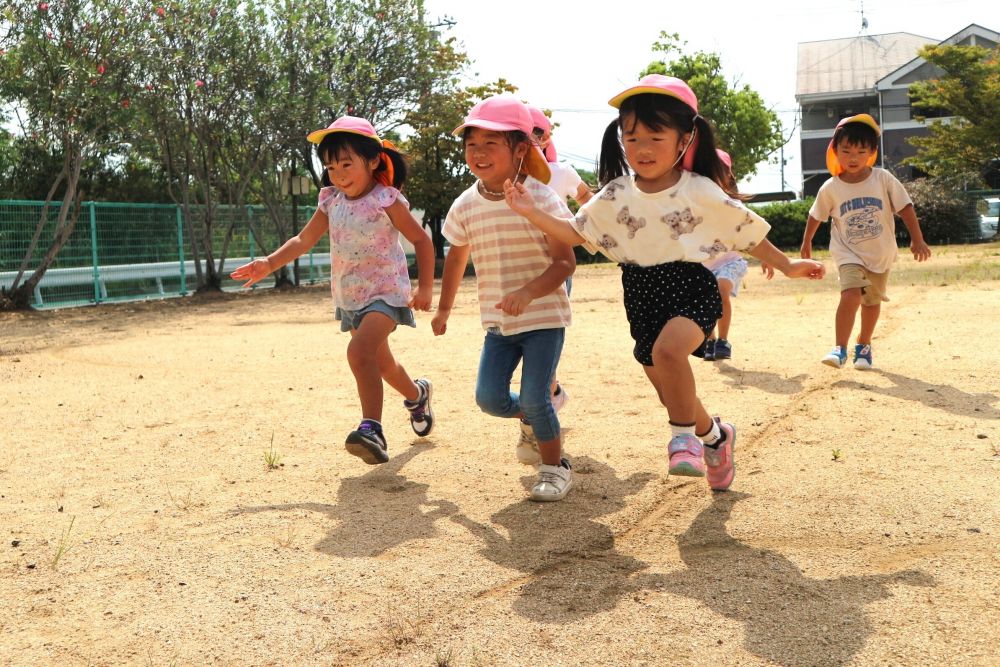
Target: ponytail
[
  {"x": 706, "y": 159},
  {"x": 612, "y": 163}
]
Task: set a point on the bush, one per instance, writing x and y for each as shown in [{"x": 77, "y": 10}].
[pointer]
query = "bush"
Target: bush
[
  {"x": 788, "y": 221},
  {"x": 944, "y": 213}
]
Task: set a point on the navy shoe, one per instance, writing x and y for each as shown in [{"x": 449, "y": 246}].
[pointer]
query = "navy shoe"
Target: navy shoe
[
  {"x": 723, "y": 350},
  {"x": 368, "y": 443},
  {"x": 709, "y": 350}
]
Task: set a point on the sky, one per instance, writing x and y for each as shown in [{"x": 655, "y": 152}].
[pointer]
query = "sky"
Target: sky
[{"x": 572, "y": 57}]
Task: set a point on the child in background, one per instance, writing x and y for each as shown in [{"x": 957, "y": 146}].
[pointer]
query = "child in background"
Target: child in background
[
  {"x": 660, "y": 221},
  {"x": 567, "y": 183},
  {"x": 364, "y": 212},
  {"x": 729, "y": 268},
  {"x": 861, "y": 200},
  {"x": 520, "y": 276},
  {"x": 564, "y": 180}
]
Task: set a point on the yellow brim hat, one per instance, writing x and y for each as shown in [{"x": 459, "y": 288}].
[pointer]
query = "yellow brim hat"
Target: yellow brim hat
[{"x": 832, "y": 163}]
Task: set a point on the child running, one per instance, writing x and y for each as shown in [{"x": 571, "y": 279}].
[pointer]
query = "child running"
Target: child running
[
  {"x": 567, "y": 183},
  {"x": 363, "y": 211},
  {"x": 861, "y": 199},
  {"x": 659, "y": 221},
  {"x": 729, "y": 268},
  {"x": 519, "y": 277}
]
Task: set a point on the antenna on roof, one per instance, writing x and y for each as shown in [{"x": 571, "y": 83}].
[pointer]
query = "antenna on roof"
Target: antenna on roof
[{"x": 864, "y": 20}]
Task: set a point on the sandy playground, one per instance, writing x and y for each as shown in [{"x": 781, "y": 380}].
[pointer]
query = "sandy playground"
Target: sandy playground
[{"x": 141, "y": 525}]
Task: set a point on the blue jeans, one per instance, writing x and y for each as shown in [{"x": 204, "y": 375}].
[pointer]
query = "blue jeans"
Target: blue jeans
[{"x": 540, "y": 351}]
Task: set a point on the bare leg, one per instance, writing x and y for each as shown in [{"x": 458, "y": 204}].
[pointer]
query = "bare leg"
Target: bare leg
[
  {"x": 725, "y": 291},
  {"x": 551, "y": 451},
  {"x": 362, "y": 355},
  {"x": 869, "y": 318},
  {"x": 850, "y": 301},
  {"x": 672, "y": 376},
  {"x": 394, "y": 374}
]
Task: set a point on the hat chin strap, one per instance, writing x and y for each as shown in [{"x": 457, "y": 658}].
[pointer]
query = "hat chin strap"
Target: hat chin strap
[{"x": 694, "y": 135}]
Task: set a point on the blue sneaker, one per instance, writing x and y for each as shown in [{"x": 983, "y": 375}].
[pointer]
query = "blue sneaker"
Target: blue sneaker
[
  {"x": 709, "y": 350},
  {"x": 723, "y": 350},
  {"x": 837, "y": 357},
  {"x": 862, "y": 357}
]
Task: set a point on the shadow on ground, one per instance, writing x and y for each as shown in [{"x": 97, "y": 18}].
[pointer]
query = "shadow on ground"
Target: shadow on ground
[
  {"x": 363, "y": 503},
  {"x": 940, "y": 396}
]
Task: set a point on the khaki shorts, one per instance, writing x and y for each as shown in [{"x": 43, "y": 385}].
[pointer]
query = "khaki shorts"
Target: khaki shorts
[{"x": 873, "y": 285}]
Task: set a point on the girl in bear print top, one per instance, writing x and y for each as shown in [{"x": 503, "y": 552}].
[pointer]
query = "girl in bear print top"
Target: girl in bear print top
[{"x": 658, "y": 159}]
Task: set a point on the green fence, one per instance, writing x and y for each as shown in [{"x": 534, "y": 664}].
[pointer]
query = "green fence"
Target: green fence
[{"x": 123, "y": 252}]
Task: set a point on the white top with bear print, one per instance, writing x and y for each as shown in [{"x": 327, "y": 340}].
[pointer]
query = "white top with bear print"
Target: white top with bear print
[
  {"x": 367, "y": 261},
  {"x": 692, "y": 221},
  {"x": 864, "y": 229}
]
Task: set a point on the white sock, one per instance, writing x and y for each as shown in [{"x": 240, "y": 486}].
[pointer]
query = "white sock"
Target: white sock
[{"x": 713, "y": 436}]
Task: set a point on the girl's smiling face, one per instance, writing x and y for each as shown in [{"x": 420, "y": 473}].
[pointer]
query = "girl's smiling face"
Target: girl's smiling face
[
  {"x": 652, "y": 154},
  {"x": 490, "y": 157},
  {"x": 350, "y": 173}
]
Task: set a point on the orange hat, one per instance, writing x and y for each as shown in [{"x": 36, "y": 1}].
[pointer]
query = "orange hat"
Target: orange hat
[
  {"x": 504, "y": 113},
  {"x": 832, "y": 163}
]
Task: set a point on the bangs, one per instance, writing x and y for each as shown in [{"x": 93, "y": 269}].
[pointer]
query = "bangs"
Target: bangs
[
  {"x": 657, "y": 112},
  {"x": 338, "y": 145}
]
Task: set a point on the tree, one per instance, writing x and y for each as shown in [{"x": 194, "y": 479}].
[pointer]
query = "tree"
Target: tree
[
  {"x": 744, "y": 126},
  {"x": 59, "y": 66},
  {"x": 439, "y": 173},
  {"x": 964, "y": 147}
]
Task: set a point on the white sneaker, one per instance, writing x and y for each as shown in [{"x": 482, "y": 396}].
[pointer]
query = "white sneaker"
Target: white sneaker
[
  {"x": 559, "y": 399},
  {"x": 554, "y": 482},
  {"x": 836, "y": 357},
  {"x": 527, "y": 447}
]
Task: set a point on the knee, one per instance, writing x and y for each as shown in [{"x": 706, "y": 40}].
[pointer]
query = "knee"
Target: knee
[
  {"x": 493, "y": 403},
  {"x": 665, "y": 354},
  {"x": 851, "y": 297},
  {"x": 359, "y": 353}
]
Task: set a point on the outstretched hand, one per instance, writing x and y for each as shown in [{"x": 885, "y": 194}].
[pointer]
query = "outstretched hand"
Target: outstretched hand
[
  {"x": 253, "y": 272},
  {"x": 767, "y": 270},
  {"x": 805, "y": 268},
  {"x": 518, "y": 197}
]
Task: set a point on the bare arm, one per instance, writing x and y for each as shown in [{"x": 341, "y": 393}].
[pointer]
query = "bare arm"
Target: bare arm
[
  {"x": 583, "y": 194},
  {"x": 294, "y": 247},
  {"x": 522, "y": 203},
  {"x": 812, "y": 224},
  {"x": 407, "y": 225},
  {"x": 451, "y": 277},
  {"x": 918, "y": 247}
]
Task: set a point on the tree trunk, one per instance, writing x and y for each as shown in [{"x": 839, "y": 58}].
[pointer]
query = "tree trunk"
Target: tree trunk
[{"x": 19, "y": 297}]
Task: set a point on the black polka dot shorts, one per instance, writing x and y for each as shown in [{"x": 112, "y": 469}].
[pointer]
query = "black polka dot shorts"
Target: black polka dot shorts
[{"x": 654, "y": 295}]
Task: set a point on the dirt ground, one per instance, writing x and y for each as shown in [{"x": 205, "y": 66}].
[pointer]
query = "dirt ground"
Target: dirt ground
[{"x": 141, "y": 525}]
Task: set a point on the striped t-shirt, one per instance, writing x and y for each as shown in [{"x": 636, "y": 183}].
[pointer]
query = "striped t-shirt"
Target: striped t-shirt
[{"x": 508, "y": 252}]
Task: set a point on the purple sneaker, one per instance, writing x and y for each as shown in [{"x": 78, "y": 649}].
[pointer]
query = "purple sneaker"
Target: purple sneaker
[
  {"x": 719, "y": 460},
  {"x": 421, "y": 415},
  {"x": 686, "y": 456}
]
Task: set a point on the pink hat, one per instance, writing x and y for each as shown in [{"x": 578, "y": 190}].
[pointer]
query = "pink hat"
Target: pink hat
[
  {"x": 658, "y": 85},
  {"x": 540, "y": 120},
  {"x": 670, "y": 86},
  {"x": 351, "y": 124},
  {"x": 725, "y": 157},
  {"x": 832, "y": 163},
  {"x": 506, "y": 113}
]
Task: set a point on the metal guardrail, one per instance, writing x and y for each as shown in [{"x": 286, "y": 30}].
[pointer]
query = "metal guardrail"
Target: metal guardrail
[{"x": 101, "y": 276}]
